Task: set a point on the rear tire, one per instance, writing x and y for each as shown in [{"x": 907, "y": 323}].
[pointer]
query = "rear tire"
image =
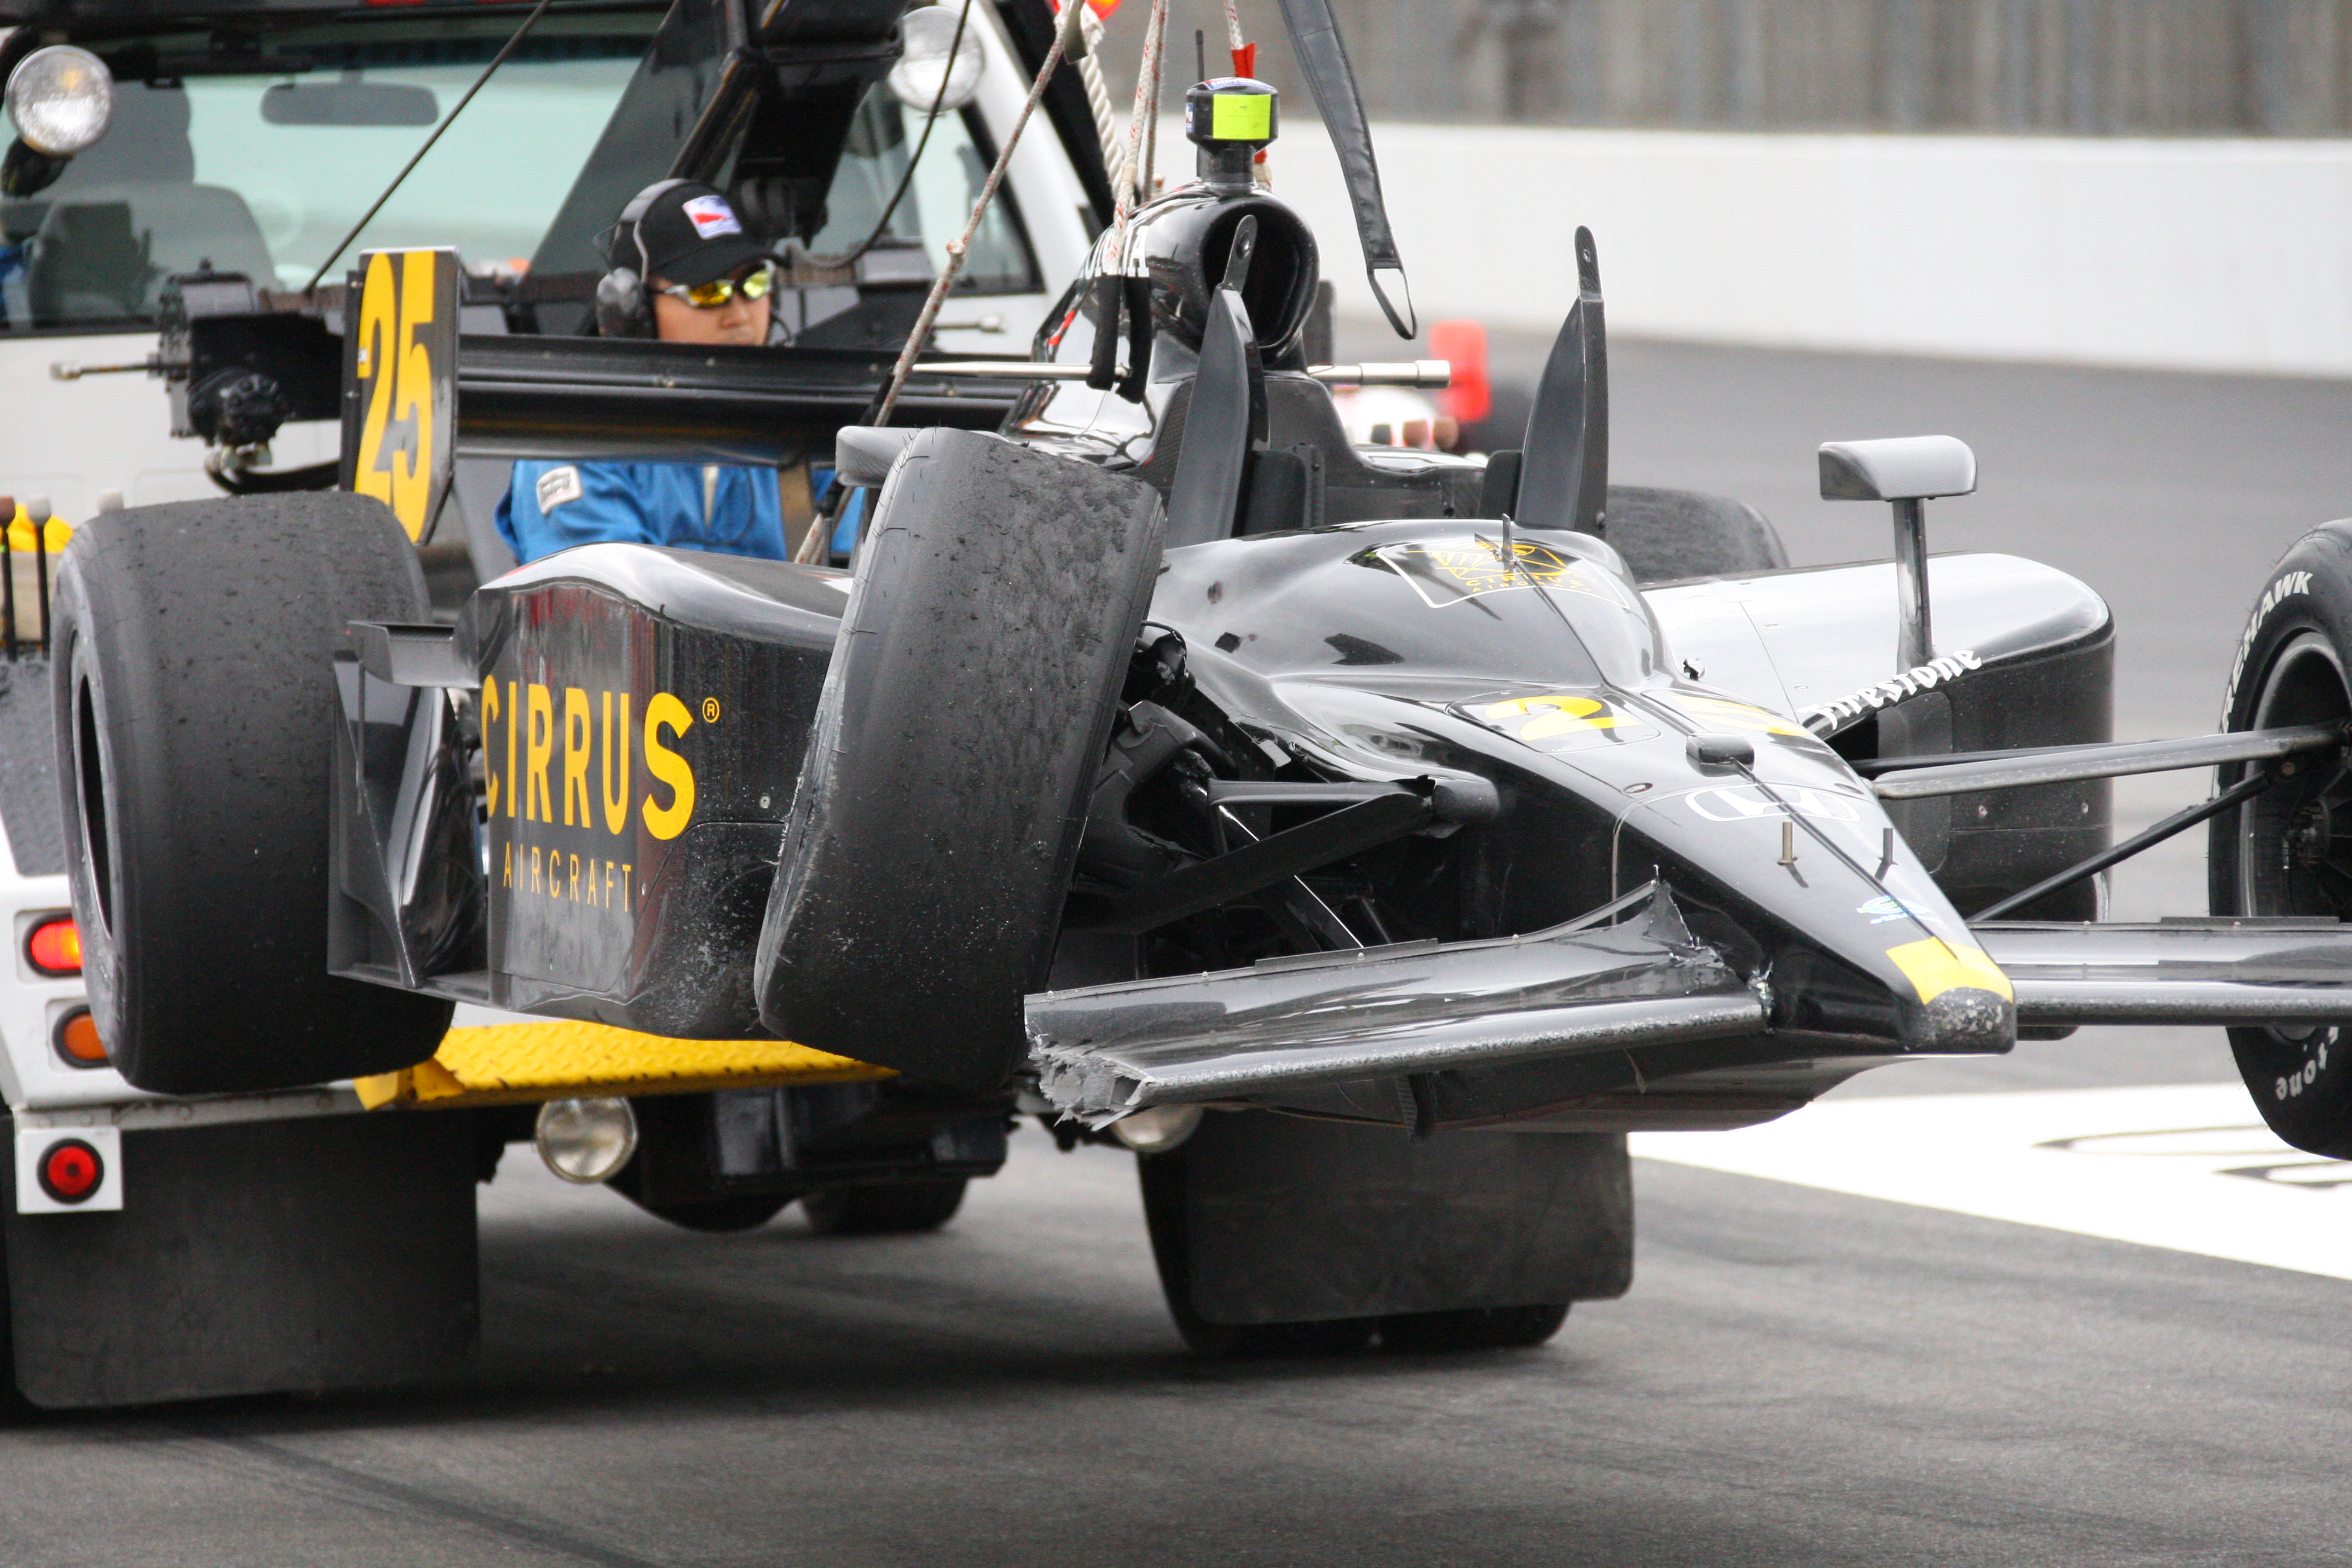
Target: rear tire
[
  {"x": 1280, "y": 1235},
  {"x": 1477, "y": 1329},
  {"x": 2288, "y": 851},
  {"x": 195, "y": 706},
  {"x": 969, "y": 698},
  {"x": 904, "y": 1208},
  {"x": 1665, "y": 535},
  {"x": 717, "y": 1216}
]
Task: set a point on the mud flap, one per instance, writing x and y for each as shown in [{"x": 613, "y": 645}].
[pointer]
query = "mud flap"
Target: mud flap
[{"x": 329, "y": 1252}]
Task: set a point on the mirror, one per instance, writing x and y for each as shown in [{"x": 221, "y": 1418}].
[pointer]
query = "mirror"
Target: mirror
[{"x": 349, "y": 102}]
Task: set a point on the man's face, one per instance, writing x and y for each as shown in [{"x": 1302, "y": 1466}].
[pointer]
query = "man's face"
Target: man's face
[{"x": 739, "y": 321}]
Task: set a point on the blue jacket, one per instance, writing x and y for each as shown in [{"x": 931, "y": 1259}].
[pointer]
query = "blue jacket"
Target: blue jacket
[{"x": 554, "y": 506}]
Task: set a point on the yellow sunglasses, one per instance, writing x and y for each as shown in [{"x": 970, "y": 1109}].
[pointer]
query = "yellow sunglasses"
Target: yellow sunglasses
[{"x": 719, "y": 291}]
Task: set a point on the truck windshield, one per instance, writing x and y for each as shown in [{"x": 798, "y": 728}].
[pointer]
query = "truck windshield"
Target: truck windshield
[{"x": 263, "y": 173}]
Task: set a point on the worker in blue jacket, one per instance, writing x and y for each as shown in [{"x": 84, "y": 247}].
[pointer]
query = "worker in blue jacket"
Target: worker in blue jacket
[{"x": 683, "y": 271}]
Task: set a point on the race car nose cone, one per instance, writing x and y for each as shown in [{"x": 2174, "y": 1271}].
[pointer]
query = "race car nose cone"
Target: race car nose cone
[{"x": 1967, "y": 1019}]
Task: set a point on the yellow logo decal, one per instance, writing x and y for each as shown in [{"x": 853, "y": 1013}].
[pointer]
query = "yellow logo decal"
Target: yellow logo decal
[
  {"x": 1934, "y": 967},
  {"x": 1738, "y": 716},
  {"x": 597, "y": 736},
  {"x": 1565, "y": 719},
  {"x": 1447, "y": 573}
]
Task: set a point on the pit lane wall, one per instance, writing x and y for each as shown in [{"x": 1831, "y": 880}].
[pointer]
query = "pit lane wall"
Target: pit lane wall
[{"x": 2220, "y": 254}]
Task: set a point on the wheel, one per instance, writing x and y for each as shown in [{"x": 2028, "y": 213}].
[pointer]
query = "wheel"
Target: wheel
[
  {"x": 1669, "y": 534},
  {"x": 2288, "y": 851},
  {"x": 1269, "y": 1342},
  {"x": 195, "y": 706},
  {"x": 1477, "y": 1329},
  {"x": 903, "y": 1208},
  {"x": 969, "y": 701},
  {"x": 1279, "y": 1235},
  {"x": 719, "y": 1216}
]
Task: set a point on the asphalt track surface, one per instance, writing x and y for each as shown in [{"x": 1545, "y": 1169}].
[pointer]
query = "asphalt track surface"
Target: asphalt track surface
[{"x": 1801, "y": 1376}]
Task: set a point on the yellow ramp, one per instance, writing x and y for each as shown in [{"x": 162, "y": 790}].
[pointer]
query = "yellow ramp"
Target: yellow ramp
[{"x": 557, "y": 1058}]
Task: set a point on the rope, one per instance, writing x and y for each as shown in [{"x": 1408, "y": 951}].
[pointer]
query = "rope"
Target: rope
[{"x": 1090, "y": 73}]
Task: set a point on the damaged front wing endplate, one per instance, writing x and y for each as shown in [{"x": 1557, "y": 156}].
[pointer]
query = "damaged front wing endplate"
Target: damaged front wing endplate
[{"x": 1387, "y": 1012}]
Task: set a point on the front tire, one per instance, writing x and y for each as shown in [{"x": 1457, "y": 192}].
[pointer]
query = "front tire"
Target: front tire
[
  {"x": 900, "y": 1208},
  {"x": 195, "y": 708},
  {"x": 2288, "y": 850}
]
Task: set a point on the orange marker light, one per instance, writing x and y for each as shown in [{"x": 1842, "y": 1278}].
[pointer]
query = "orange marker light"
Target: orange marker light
[
  {"x": 55, "y": 947},
  {"x": 78, "y": 1041}
]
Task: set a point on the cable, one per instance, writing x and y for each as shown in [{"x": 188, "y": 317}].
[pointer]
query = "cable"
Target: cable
[
  {"x": 958, "y": 248},
  {"x": 369, "y": 216}
]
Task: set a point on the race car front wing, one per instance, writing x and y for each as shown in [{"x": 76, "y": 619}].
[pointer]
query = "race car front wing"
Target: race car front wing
[{"x": 1416, "y": 1007}]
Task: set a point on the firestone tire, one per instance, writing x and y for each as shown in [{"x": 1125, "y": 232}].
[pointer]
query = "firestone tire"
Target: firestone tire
[
  {"x": 906, "y": 1209},
  {"x": 2288, "y": 851},
  {"x": 194, "y": 685},
  {"x": 935, "y": 824},
  {"x": 1665, "y": 535},
  {"x": 1476, "y": 1329},
  {"x": 716, "y": 1216}
]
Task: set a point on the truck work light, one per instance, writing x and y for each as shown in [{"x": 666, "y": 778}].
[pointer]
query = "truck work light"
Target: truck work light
[{"x": 60, "y": 98}]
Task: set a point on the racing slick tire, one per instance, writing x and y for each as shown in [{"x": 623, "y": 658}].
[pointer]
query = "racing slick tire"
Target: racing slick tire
[
  {"x": 932, "y": 836},
  {"x": 2288, "y": 850},
  {"x": 1281, "y": 1236},
  {"x": 1476, "y": 1329},
  {"x": 900, "y": 1208},
  {"x": 1667, "y": 535},
  {"x": 196, "y": 708},
  {"x": 715, "y": 1216}
]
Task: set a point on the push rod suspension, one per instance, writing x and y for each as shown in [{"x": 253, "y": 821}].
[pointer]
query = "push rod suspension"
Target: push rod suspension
[{"x": 2178, "y": 822}]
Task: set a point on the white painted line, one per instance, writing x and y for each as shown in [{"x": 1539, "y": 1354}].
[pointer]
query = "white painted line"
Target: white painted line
[{"x": 2190, "y": 1168}]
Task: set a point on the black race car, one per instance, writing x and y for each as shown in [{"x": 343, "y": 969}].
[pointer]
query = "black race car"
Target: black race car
[{"x": 1370, "y": 836}]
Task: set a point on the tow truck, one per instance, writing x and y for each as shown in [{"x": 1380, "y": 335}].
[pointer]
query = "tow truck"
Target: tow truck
[{"x": 185, "y": 190}]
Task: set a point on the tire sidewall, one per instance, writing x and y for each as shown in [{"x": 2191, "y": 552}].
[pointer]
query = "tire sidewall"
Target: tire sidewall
[
  {"x": 75, "y": 667},
  {"x": 2301, "y": 1084}
]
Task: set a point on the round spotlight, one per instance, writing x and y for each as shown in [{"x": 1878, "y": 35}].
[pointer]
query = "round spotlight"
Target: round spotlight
[
  {"x": 1158, "y": 1129},
  {"x": 61, "y": 98},
  {"x": 587, "y": 1140},
  {"x": 70, "y": 1171},
  {"x": 928, "y": 34}
]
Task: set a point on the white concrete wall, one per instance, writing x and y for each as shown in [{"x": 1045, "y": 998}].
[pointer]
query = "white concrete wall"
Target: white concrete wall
[{"x": 2219, "y": 255}]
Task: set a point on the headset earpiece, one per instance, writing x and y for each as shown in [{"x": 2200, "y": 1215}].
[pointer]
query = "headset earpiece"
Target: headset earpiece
[
  {"x": 621, "y": 309},
  {"x": 624, "y": 309}
]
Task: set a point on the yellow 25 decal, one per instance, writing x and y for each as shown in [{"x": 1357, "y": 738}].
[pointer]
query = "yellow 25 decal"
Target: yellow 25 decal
[{"x": 400, "y": 383}]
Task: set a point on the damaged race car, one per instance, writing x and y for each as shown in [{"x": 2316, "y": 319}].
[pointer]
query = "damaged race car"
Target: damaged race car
[{"x": 1370, "y": 837}]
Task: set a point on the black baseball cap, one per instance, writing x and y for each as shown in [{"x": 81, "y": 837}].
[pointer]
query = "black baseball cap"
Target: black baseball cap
[{"x": 688, "y": 234}]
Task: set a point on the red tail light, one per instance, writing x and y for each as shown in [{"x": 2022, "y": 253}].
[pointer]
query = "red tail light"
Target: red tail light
[
  {"x": 54, "y": 947},
  {"x": 71, "y": 1170}
]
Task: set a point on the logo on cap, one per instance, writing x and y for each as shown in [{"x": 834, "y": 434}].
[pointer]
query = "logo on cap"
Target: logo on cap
[{"x": 711, "y": 217}]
